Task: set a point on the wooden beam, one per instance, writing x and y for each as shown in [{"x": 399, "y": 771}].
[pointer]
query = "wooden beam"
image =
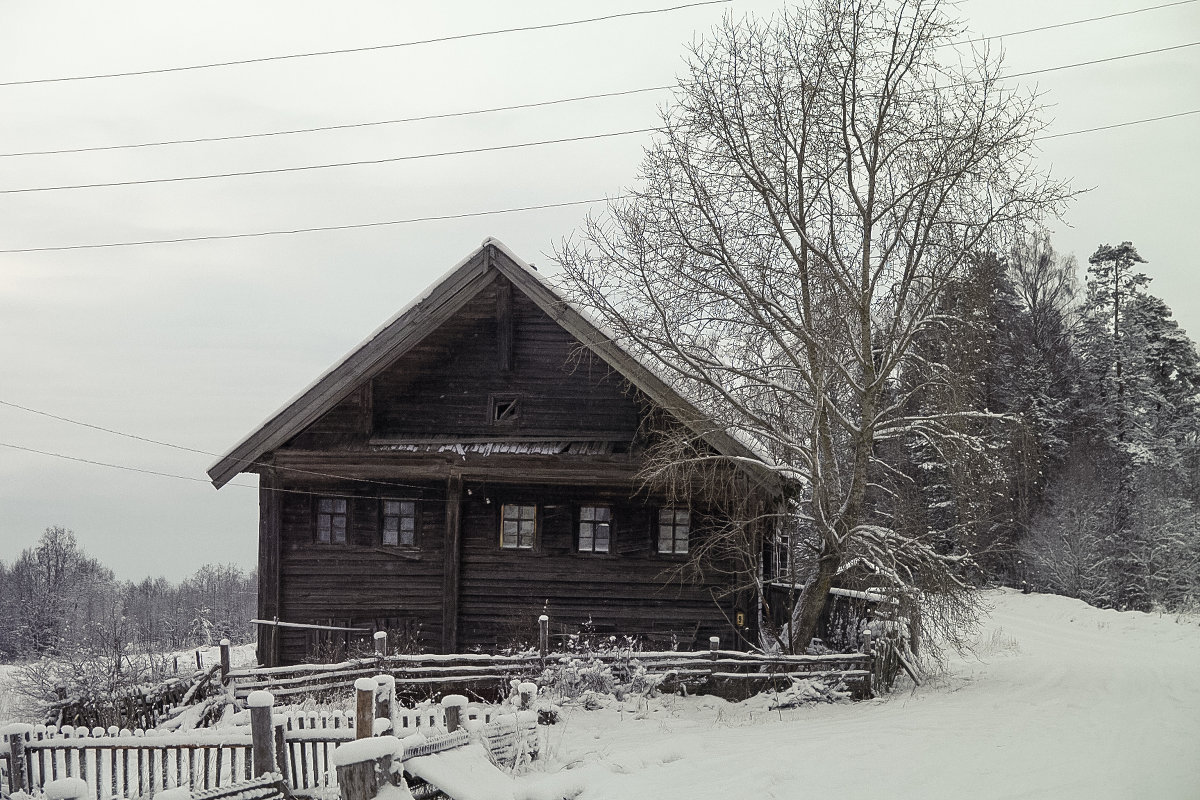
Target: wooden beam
[
  {"x": 269, "y": 573},
  {"x": 504, "y": 324},
  {"x": 453, "y": 559}
]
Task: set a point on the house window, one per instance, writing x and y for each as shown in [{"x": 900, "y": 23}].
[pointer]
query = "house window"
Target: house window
[
  {"x": 595, "y": 529},
  {"x": 783, "y": 554},
  {"x": 517, "y": 526},
  {"x": 331, "y": 520},
  {"x": 673, "y": 527},
  {"x": 399, "y": 522}
]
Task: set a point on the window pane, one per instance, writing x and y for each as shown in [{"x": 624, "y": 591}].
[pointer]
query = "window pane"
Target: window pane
[
  {"x": 407, "y": 537},
  {"x": 587, "y": 512},
  {"x": 325, "y": 505},
  {"x": 664, "y": 516},
  {"x": 528, "y": 512},
  {"x": 681, "y": 540},
  {"x": 339, "y": 506},
  {"x": 408, "y": 508},
  {"x": 408, "y": 523},
  {"x": 391, "y": 507},
  {"x": 681, "y": 516},
  {"x": 323, "y": 528},
  {"x": 585, "y": 540},
  {"x": 604, "y": 513},
  {"x": 602, "y": 535},
  {"x": 391, "y": 537},
  {"x": 664, "y": 540},
  {"x": 391, "y": 524}
]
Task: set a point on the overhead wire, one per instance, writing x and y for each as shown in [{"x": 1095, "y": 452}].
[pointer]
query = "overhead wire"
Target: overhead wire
[
  {"x": 334, "y": 165},
  {"x": 366, "y": 48},
  {"x": 1071, "y": 22},
  {"x": 446, "y": 217},
  {"x": 245, "y": 461}
]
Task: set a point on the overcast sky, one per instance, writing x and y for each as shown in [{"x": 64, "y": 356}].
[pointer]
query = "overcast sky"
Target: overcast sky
[{"x": 196, "y": 343}]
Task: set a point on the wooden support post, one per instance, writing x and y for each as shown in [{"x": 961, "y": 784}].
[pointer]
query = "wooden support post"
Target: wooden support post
[
  {"x": 544, "y": 636},
  {"x": 281, "y": 751},
  {"x": 451, "y": 563},
  {"x": 270, "y": 531},
  {"x": 453, "y": 704},
  {"x": 385, "y": 698},
  {"x": 261, "y": 705},
  {"x": 528, "y": 693},
  {"x": 381, "y": 643},
  {"x": 363, "y": 771},
  {"x": 225, "y": 647},
  {"x": 364, "y": 708},
  {"x": 176, "y": 665},
  {"x": 714, "y": 644},
  {"x": 199, "y": 662},
  {"x": 16, "y": 756}
]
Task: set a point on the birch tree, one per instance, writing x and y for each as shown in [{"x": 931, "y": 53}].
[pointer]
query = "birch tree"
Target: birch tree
[{"x": 817, "y": 182}]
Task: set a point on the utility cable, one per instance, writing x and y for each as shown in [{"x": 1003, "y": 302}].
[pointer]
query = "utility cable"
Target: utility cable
[
  {"x": 365, "y": 49},
  {"x": 346, "y": 126},
  {"x": 306, "y": 167},
  {"x": 140, "y": 470},
  {"x": 246, "y": 461},
  {"x": 348, "y": 226},
  {"x": 495, "y": 148},
  {"x": 1070, "y": 23},
  {"x": 515, "y": 107}
]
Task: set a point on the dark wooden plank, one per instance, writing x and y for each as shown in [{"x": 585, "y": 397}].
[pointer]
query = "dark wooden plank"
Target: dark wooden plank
[{"x": 450, "y": 572}]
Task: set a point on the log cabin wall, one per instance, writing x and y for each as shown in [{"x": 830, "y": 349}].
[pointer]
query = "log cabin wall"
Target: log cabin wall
[{"x": 426, "y": 423}]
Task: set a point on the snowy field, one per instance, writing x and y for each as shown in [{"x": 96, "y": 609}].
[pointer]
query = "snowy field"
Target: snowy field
[{"x": 1063, "y": 701}]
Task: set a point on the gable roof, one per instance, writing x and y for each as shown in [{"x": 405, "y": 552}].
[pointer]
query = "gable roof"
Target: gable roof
[{"x": 421, "y": 317}]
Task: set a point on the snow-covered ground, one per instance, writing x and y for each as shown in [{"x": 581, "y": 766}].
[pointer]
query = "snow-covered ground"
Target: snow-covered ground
[{"x": 1061, "y": 701}]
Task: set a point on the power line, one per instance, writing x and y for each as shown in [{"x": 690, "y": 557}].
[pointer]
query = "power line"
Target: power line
[
  {"x": 246, "y": 461},
  {"x": 366, "y": 49},
  {"x": 349, "y": 226},
  {"x": 494, "y": 109},
  {"x": 1099, "y": 61},
  {"x": 1072, "y": 22},
  {"x": 1119, "y": 125},
  {"x": 346, "y": 126},
  {"x": 339, "y": 164},
  {"x": 495, "y": 148},
  {"x": 140, "y": 470},
  {"x": 446, "y": 217}
]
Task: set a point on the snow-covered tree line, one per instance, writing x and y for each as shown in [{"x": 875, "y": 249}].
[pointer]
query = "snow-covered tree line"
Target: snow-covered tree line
[
  {"x": 56, "y": 600},
  {"x": 1091, "y": 483}
]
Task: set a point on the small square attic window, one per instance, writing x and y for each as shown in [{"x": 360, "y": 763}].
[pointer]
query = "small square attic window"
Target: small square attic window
[{"x": 505, "y": 409}]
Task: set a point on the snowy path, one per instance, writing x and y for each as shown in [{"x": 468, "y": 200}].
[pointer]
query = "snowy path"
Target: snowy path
[{"x": 1064, "y": 702}]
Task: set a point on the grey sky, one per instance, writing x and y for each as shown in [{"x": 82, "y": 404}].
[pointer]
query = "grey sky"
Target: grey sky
[{"x": 196, "y": 343}]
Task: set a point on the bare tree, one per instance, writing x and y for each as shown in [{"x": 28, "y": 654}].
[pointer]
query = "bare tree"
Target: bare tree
[{"x": 817, "y": 183}]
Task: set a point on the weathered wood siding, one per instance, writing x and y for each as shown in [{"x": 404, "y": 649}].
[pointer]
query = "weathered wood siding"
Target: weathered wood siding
[
  {"x": 442, "y": 387},
  {"x": 354, "y": 584}
]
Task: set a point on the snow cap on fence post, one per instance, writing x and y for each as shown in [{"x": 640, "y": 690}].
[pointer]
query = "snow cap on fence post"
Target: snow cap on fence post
[
  {"x": 364, "y": 707},
  {"x": 263, "y": 751},
  {"x": 528, "y": 691},
  {"x": 381, "y": 643},
  {"x": 453, "y": 704},
  {"x": 364, "y": 766},
  {"x": 714, "y": 644}
]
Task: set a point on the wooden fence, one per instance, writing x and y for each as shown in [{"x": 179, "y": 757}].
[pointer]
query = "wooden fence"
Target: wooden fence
[
  {"x": 139, "y": 763},
  {"x": 730, "y": 673}
]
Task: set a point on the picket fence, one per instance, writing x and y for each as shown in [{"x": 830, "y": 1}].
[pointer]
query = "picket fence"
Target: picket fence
[{"x": 126, "y": 764}]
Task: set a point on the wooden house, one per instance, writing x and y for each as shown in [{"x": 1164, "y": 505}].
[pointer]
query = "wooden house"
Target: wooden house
[{"x": 471, "y": 465}]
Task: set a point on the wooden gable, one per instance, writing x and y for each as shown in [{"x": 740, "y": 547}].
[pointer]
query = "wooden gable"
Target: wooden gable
[{"x": 490, "y": 330}]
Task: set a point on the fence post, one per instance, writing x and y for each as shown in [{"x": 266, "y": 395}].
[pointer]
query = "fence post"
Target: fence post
[
  {"x": 872, "y": 666},
  {"x": 364, "y": 768},
  {"x": 544, "y": 635},
  {"x": 281, "y": 751},
  {"x": 381, "y": 643},
  {"x": 225, "y": 661},
  {"x": 714, "y": 644},
  {"x": 16, "y": 755},
  {"x": 453, "y": 705},
  {"x": 364, "y": 716},
  {"x": 385, "y": 698},
  {"x": 263, "y": 756},
  {"x": 528, "y": 691}
]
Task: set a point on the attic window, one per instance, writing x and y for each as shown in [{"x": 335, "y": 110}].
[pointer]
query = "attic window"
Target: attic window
[
  {"x": 505, "y": 409},
  {"x": 331, "y": 520}
]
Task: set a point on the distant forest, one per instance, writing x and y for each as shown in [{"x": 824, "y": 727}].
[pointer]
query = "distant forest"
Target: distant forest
[{"x": 58, "y": 600}]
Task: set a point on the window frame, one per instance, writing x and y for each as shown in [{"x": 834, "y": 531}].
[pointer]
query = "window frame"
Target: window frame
[
  {"x": 400, "y": 516},
  {"x": 498, "y": 416},
  {"x": 519, "y": 519},
  {"x": 675, "y": 526},
  {"x": 332, "y": 513},
  {"x": 594, "y": 522}
]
